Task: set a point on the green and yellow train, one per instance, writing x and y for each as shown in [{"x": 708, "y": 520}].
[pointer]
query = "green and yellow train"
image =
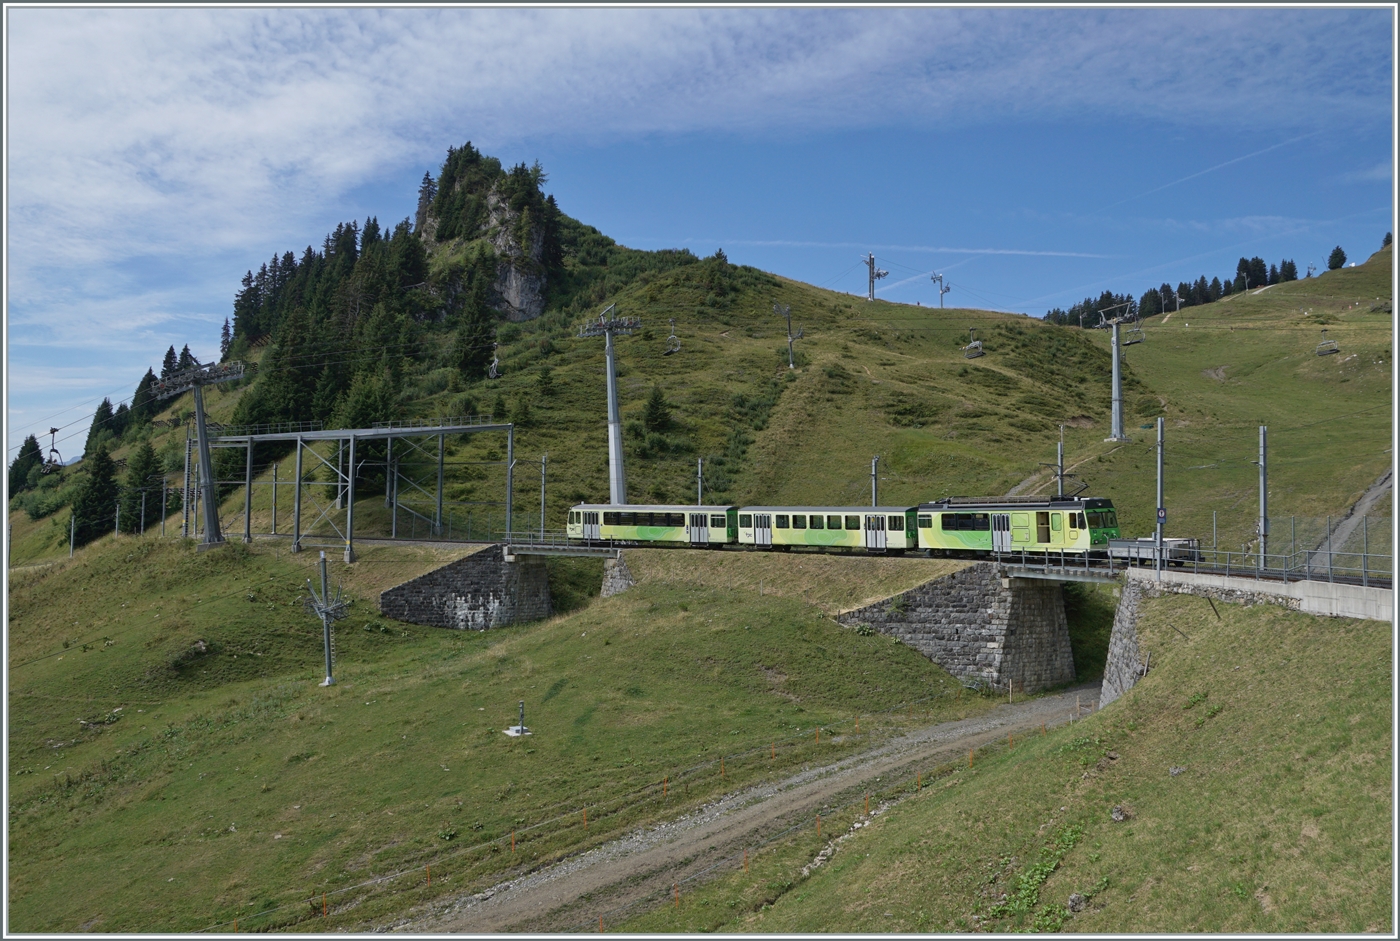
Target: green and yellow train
[{"x": 957, "y": 526}]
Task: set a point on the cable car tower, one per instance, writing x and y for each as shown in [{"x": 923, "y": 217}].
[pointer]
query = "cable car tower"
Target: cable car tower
[
  {"x": 197, "y": 378},
  {"x": 875, "y": 275},
  {"x": 938, "y": 279},
  {"x": 785, "y": 310},
  {"x": 1116, "y": 433},
  {"x": 605, "y": 326}
]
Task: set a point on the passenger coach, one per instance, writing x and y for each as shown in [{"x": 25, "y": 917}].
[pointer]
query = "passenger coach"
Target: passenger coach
[
  {"x": 876, "y": 528},
  {"x": 687, "y": 525}
]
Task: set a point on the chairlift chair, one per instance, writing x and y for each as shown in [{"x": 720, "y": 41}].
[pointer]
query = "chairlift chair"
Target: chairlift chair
[
  {"x": 673, "y": 342},
  {"x": 1134, "y": 335},
  {"x": 974, "y": 347},
  {"x": 54, "y": 461},
  {"x": 1326, "y": 347}
]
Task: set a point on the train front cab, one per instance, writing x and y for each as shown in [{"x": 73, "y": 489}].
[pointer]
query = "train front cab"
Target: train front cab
[{"x": 1012, "y": 529}]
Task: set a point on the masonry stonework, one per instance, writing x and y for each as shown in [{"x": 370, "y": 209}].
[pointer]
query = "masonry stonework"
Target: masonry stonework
[
  {"x": 617, "y": 577},
  {"x": 976, "y": 624},
  {"x": 474, "y": 593}
]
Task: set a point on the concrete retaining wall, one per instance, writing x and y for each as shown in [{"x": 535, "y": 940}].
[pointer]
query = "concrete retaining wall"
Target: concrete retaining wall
[
  {"x": 1126, "y": 662},
  {"x": 474, "y": 593},
  {"x": 978, "y": 624}
]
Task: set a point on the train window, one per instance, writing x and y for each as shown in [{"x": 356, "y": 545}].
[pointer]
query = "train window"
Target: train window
[
  {"x": 875, "y": 523},
  {"x": 833, "y": 522},
  {"x": 717, "y": 522},
  {"x": 896, "y": 523},
  {"x": 816, "y": 521},
  {"x": 1111, "y": 519},
  {"x": 612, "y": 519},
  {"x": 1055, "y": 521},
  {"x": 949, "y": 521},
  {"x": 852, "y": 522},
  {"x": 675, "y": 519},
  {"x": 746, "y": 520},
  {"x": 980, "y": 522},
  {"x": 799, "y": 521},
  {"x": 780, "y": 521},
  {"x": 926, "y": 522}
]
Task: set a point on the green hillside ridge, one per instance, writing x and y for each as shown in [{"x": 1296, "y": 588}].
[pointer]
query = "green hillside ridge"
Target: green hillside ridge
[
  {"x": 1277, "y": 817},
  {"x": 175, "y": 765},
  {"x": 890, "y": 379}
]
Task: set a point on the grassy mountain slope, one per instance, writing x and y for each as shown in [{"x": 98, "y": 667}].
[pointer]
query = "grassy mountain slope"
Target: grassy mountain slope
[
  {"x": 191, "y": 771},
  {"x": 890, "y": 379},
  {"x": 1278, "y": 817}
]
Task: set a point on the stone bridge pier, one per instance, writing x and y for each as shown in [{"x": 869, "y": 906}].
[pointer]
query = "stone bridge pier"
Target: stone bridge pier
[
  {"x": 980, "y": 624},
  {"x": 474, "y": 593}
]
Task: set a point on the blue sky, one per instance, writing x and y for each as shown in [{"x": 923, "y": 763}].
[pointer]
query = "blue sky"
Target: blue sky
[{"x": 1034, "y": 156}]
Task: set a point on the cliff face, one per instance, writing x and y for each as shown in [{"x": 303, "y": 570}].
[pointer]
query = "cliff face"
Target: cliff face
[
  {"x": 516, "y": 236},
  {"x": 519, "y": 245}
]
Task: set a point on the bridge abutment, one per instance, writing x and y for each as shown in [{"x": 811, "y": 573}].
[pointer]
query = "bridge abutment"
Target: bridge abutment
[
  {"x": 979, "y": 624},
  {"x": 477, "y": 592}
]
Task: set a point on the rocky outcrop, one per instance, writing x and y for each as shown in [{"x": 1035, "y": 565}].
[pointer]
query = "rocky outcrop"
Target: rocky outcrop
[{"x": 520, "y": 277}]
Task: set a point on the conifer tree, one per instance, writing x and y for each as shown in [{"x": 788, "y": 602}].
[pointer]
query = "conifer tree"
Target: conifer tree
[
  {"x": 28, "y": 458},
  {"x": 140, "y": 467},
  {"x": 143, "y": 401},
  {"x": 95, "y": 506},
  {"x": 1273, "y": 274},
  {"x": 225, "y": 341},
  {"x": 169, "y": 364},
  {"x": 1385, "y": 242},
  {"x": 186, "y": 360},
  {"x": 1336, "y": 259},
  {"x": 657, "y": 416},
  {"x": 1287, "y": 271},
  {"x": 101, "y": 428}
]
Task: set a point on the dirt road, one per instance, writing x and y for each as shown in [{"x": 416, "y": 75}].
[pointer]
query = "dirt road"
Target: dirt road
[{"x": 575, "y": 892}]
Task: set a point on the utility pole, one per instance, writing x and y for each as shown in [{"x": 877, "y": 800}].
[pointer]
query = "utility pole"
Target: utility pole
[
  {"x": 72, "y": 532},
  {"x": 699, "y": 481},
  {"x": 328, "y": 610},
  {"x": 606, "y": 327},
  {"x": 1161, "y": 506},
  {"x": 1060, "y": 465},
  {"x": 875, "y": 275},
  {"x": 785, "y": 310},
  {"x": 874, "y": 481},
  {"x": 938, "y": 279},
  {"x": 196, "y": 378},
  {"x": 1117, "y": 431},
  {"x": 544, "y": 469},
  {"x": 1263, "y": 493}
]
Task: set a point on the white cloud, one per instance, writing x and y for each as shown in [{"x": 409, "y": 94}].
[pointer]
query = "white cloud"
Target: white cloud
[{"x": 178, "y": 135}]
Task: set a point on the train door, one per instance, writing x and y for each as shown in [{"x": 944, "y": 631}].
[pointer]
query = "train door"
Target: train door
[
  {"x": 699, "y": 528},
  {"x": 875, "y": 531},
  {"x": 1001, "y": 532},
  {"x": 590, "y": 525},
  {"x": 763, "y": 529},
  {"x": 1042, "y": 526}
]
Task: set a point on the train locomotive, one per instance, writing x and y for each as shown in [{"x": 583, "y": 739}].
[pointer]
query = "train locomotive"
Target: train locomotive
[{"x": 955, "y": 526}]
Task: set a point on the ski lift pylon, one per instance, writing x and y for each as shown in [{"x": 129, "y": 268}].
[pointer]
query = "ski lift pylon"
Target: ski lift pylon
[
  {"x": 1326, "y": 347},
  {"x": 673, "y": 342},
  {"x": 974, "y": 346}
]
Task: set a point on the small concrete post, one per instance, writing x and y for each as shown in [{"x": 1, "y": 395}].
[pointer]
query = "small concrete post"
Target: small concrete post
[
  {"x": 274, "y": 498},
  {"x": 326, "y": 621}
]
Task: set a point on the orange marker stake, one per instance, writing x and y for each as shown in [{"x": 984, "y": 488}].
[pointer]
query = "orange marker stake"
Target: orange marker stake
[
  {"x": 857, "y": 725},
  {"x": 600, "y": 924},
  {"x": 1042, "y": 728},
  {"x": 1010, "y": 741},
  {"x": 867, "y": 804},
  {"x": 969, "y": 758},
  {"x": 235, "y": 926},
  {"x": 665, "y": 784},
  {"x": 678, "y": 894},
  {"x": 721, "y": 767},
  {"x": 585, "y": 818},
  {"x": 919, "y": 785},
  {"x": 430, "y": 875},
  {"x": 773, "y": 750}
]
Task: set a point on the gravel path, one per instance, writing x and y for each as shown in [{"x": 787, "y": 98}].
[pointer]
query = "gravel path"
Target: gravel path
[{"x": 576, "y": 891}]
